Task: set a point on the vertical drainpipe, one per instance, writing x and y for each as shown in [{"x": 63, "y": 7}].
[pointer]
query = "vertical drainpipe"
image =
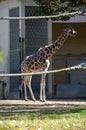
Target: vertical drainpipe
[
  {"x": 21, "y": 39},
  {"x": 22, "y": 32},
  {"x": 50, "y": 75}
]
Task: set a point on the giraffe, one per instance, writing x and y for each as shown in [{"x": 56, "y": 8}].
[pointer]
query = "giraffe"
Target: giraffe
[{"x": 39, "y": 61}]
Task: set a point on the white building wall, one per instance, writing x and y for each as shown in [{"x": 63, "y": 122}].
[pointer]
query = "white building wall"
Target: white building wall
[
  {"x": 4, "y": 37},
  {"x": 5, "y": 6}
]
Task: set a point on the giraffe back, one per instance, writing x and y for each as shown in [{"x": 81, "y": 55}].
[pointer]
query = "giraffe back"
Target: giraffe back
[{"x": 35, "y": 62}]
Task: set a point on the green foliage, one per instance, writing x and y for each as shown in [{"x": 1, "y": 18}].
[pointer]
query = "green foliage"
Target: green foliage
[
  {"x": 56, "y": 6},
  {"x": 1, "y": 56}
]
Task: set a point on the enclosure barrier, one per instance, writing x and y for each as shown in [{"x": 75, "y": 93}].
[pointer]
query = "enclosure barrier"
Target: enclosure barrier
[
  {"x": 81, "y": 66},
  {"x": 44, "y": 17}
]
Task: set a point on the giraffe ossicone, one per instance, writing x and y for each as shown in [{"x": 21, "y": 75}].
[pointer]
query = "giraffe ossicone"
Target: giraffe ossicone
[{"x": 39, "y": 61}]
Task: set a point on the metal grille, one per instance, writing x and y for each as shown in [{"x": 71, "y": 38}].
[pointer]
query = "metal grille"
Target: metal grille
[
  {"x": 36, "y": 30},
  {"x": 14, "y": 49}
]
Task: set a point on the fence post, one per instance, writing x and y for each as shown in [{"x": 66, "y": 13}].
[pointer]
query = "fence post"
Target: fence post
[{"x": 50, "y": 75}]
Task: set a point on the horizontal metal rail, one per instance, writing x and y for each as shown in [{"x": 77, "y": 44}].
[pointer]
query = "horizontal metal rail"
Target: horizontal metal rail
[
  {"x": 44, "y": 17},
  {"x": 81, "y": 66}
]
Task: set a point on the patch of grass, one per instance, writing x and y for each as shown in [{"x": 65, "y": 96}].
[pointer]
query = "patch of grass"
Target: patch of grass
[{"x": 70, "y": 119}]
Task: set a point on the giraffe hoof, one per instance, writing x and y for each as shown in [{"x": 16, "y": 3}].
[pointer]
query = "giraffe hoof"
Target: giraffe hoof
[
  {"x": 34, "y": 100},
  {"x": 26, "y": 99},
  {"x": 43, "y": 100}
]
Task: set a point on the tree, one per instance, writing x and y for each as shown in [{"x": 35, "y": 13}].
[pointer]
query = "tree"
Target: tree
[{"x": 55, "y": 6}]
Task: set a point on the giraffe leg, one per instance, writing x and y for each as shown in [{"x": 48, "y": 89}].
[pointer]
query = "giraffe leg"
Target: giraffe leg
[
  {"x": 42, "y": 85},
  {"x": 25, "y": 92},
  {"x": 42, "y": 88},
  {"x": 30, "y": 89},
  {"x": 20, "y": 89}
]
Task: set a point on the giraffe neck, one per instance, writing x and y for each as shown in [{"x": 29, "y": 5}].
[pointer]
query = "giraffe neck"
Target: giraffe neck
[{"x": 52, "y": 48}]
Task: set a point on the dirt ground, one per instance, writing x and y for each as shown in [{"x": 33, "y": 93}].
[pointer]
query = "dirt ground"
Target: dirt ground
[{"x": 21, "y": 105}]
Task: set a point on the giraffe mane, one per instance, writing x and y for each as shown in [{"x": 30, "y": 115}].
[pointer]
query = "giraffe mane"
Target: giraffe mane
[{"x": 68, "y": 28}]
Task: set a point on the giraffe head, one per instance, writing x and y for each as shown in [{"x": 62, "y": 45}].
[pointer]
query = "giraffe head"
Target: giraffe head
[{"x": 71, "y": 32}]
